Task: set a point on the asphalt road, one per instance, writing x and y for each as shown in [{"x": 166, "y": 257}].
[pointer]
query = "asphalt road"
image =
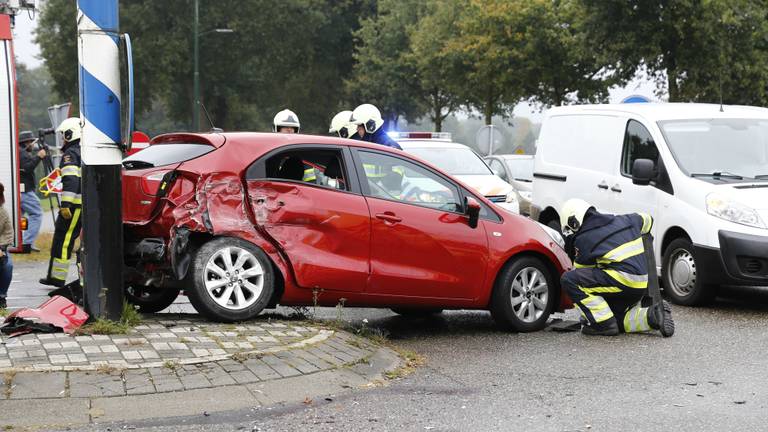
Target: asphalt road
[{"x": 709, "y": 376}]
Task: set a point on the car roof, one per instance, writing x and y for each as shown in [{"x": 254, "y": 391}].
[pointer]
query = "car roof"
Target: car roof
[
  {"x": 264, "y": 140},
  {"x": 665, "y": 111}
]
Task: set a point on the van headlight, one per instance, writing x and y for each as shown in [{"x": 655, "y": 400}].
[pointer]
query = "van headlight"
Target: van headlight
[
  {"x": 554, "y": 235},
  {"x": 725, "y": 208}
]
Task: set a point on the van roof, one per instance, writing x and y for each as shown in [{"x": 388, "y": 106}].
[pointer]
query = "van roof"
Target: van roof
[{"x": 665, "y": 111}]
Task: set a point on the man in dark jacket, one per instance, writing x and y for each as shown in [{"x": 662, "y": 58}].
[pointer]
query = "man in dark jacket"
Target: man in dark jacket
[
  {"x": 610, "y": 282},
  {"x": 369, "y": 126},
  {"x": 30, "y": 203},
  {"x": 68, "y": 222}
]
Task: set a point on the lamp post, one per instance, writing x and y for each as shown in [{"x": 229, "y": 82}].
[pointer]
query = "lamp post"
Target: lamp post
[{"x": 196, "y": 107}]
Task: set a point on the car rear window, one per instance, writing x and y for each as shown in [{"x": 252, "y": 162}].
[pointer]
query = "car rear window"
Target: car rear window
[{"x": 165, "y": 154}]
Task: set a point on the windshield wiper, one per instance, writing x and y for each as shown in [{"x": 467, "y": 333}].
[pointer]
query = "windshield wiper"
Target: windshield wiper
[{"x": 719, "y": 174}]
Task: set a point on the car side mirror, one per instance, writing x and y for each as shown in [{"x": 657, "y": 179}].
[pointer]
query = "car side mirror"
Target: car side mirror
[
  {"x": 472, "y": 210},
  {"x": 642, "y": 172}
]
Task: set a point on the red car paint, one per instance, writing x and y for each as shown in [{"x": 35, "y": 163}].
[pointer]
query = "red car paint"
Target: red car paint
[
  {"x": 57, "y": 310},
  {"x": 329, "y": 245}
]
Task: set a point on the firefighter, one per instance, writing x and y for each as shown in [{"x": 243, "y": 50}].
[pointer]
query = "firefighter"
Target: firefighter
[
  {"x": 67, "y": 228},
  {"x": 610, "y": 281},
  {"x": 30, "y": 203},
  {"x": 369, "y": 124},
  {"x": 286, "y": 121},
  {"x": 341, "y": 126}
]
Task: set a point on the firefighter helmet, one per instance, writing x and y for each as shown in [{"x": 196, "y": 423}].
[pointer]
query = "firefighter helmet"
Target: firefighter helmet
[
  {"x": 369, "y": 116},
  {"x": 70, "y": 128},
  {"x": 286, "y": 118},
  {"x": 572, "y": 215},
  {"x": 340, "y": 124}
]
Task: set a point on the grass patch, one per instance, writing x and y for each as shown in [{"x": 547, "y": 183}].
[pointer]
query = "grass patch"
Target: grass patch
[
  {"x": 239, "y": 357},
  {"x": 106, "y": 369},
  {"x": 412, "y": 361},
  {"x": 129, "y": 318},
  {"x": 172, "y": 365},
  {"x": 4, "y": 313},
  {"x": 8, "y": 380}
]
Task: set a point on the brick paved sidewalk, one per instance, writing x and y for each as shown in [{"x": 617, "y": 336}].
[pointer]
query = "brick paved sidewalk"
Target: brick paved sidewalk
[{"x": 86, "y": 379}]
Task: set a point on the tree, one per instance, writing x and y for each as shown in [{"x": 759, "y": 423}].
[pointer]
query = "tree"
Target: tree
[
  {"x": 383, "y": 73},
  {"x": 689, "y": 47},
  {"x": 246, "y": 76},
  {"x": 435, "y": 67},
  {"x": 34, "y": 87},
  {"x": 488, "y": 45},
  {"x": 559, "y": 65}
]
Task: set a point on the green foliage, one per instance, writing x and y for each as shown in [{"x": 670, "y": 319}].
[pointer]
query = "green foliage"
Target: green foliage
[
  {"x": 689, "y": 47},
  {"x": 34, "y": 87}
]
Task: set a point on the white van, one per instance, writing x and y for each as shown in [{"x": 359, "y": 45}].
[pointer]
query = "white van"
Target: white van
[{"x": 700, "y": 170}]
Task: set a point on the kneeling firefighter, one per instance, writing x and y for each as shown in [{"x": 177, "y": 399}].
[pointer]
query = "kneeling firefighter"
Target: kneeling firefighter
[
  {"x": 67, "y": 228},
  {"x": 610, "y": 282}
]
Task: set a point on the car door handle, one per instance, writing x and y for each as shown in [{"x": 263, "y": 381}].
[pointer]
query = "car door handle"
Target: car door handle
[
  {"x": 616, "y": 188},
  {"x": 389, "y": 217},
  {"x": 603, "y": 185}
]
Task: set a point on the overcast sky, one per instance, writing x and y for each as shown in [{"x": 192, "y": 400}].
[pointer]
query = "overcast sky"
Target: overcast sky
[{"x": 28, "y": 52}]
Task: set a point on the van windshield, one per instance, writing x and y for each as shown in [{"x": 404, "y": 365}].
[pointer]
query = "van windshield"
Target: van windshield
[{"x": 732, "y": 148}]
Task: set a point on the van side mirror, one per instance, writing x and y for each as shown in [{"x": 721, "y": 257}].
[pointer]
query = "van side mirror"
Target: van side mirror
[
  {"x": 472, "y": 210},
  {"x": 642, "y": 172}
]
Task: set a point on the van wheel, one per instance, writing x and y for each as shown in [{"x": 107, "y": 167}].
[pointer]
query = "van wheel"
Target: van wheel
[
  {"x": 679, "y": 273},
  {"x": 150, "y": 299},
  {"x": 232, "y": 280},
  {"x": 524, "y": 295}
]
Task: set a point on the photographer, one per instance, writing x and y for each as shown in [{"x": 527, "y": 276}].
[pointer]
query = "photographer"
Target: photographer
[{"x": 31, "y": 156}]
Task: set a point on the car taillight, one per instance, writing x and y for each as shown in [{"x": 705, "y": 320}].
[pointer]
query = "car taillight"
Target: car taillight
[{"x": 151, "y": 183}]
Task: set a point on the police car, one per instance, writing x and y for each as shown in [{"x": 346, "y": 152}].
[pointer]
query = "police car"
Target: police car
[{"x": 461, "y": 162}]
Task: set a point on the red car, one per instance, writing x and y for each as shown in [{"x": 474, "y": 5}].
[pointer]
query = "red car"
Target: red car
[{"x": 245, "y": 221}]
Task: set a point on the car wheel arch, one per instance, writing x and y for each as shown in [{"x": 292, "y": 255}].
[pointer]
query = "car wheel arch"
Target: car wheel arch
[
  {"x": 672, "y": 233},
  {"x": 548, "y": 215}
]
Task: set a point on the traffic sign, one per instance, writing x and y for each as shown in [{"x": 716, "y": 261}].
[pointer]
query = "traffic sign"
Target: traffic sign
[{"x": 489, "y": 140}]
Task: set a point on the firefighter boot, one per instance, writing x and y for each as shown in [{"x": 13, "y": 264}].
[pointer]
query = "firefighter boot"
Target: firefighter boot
[
  {"x": 667, "y": 328},
  {"x": 605, "y": 328}
]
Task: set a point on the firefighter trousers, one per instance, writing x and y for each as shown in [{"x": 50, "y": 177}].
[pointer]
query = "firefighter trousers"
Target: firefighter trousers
[
  {"x": 64, "y": 236},
  {"x": 601, "y": 298}
]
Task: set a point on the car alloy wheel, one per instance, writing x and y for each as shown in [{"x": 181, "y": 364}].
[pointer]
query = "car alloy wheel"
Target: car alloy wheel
[
  {"x": 230, "y": 280},
  {"x": 234, "y": 278},
  {"x": 524, "y": 294},
  {"x": 529, "y": 294}
]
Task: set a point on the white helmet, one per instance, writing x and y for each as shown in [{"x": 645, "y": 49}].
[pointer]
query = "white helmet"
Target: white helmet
[
  {"x": 286, "y": 118},
  {"x": 71, "y": 129},
  {"x": 340, "y": 124},
  {"x": 572, "y": 215},
  {"x": 368, "y": 116}
]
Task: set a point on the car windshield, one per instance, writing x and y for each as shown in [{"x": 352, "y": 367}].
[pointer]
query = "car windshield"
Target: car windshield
[
  {"x": 723, "y": 148},
  {"x": 454, "y": 161},
  {"x": 521, "y": 169}
]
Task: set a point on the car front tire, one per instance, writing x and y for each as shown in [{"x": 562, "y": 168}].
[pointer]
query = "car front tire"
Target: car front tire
[
  {"x": 232, "y": 280},
  {"x": 524, "y": 295},
  {"x": 680, "y": 276}
]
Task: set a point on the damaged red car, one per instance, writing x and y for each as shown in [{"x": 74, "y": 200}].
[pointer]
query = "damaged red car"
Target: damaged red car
[{"x": 241, "y": 222}]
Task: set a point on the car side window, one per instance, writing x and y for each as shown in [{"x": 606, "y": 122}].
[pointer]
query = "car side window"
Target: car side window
[
  {"x": 638, "y": 144},
  {"x": 498, "y": 167},
  {"x": 396, "y": 179},
  {"x": 324, "y": 168}
]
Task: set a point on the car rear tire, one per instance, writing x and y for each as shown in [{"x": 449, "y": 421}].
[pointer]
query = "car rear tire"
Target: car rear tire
[
  {"x": 679, "y": 273},
  {"x": 416, "y": 312},
  {"x": 524, "y": 295},
  {"x": 149, "y": 299},
  {"x": 232, "y": 280}
]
